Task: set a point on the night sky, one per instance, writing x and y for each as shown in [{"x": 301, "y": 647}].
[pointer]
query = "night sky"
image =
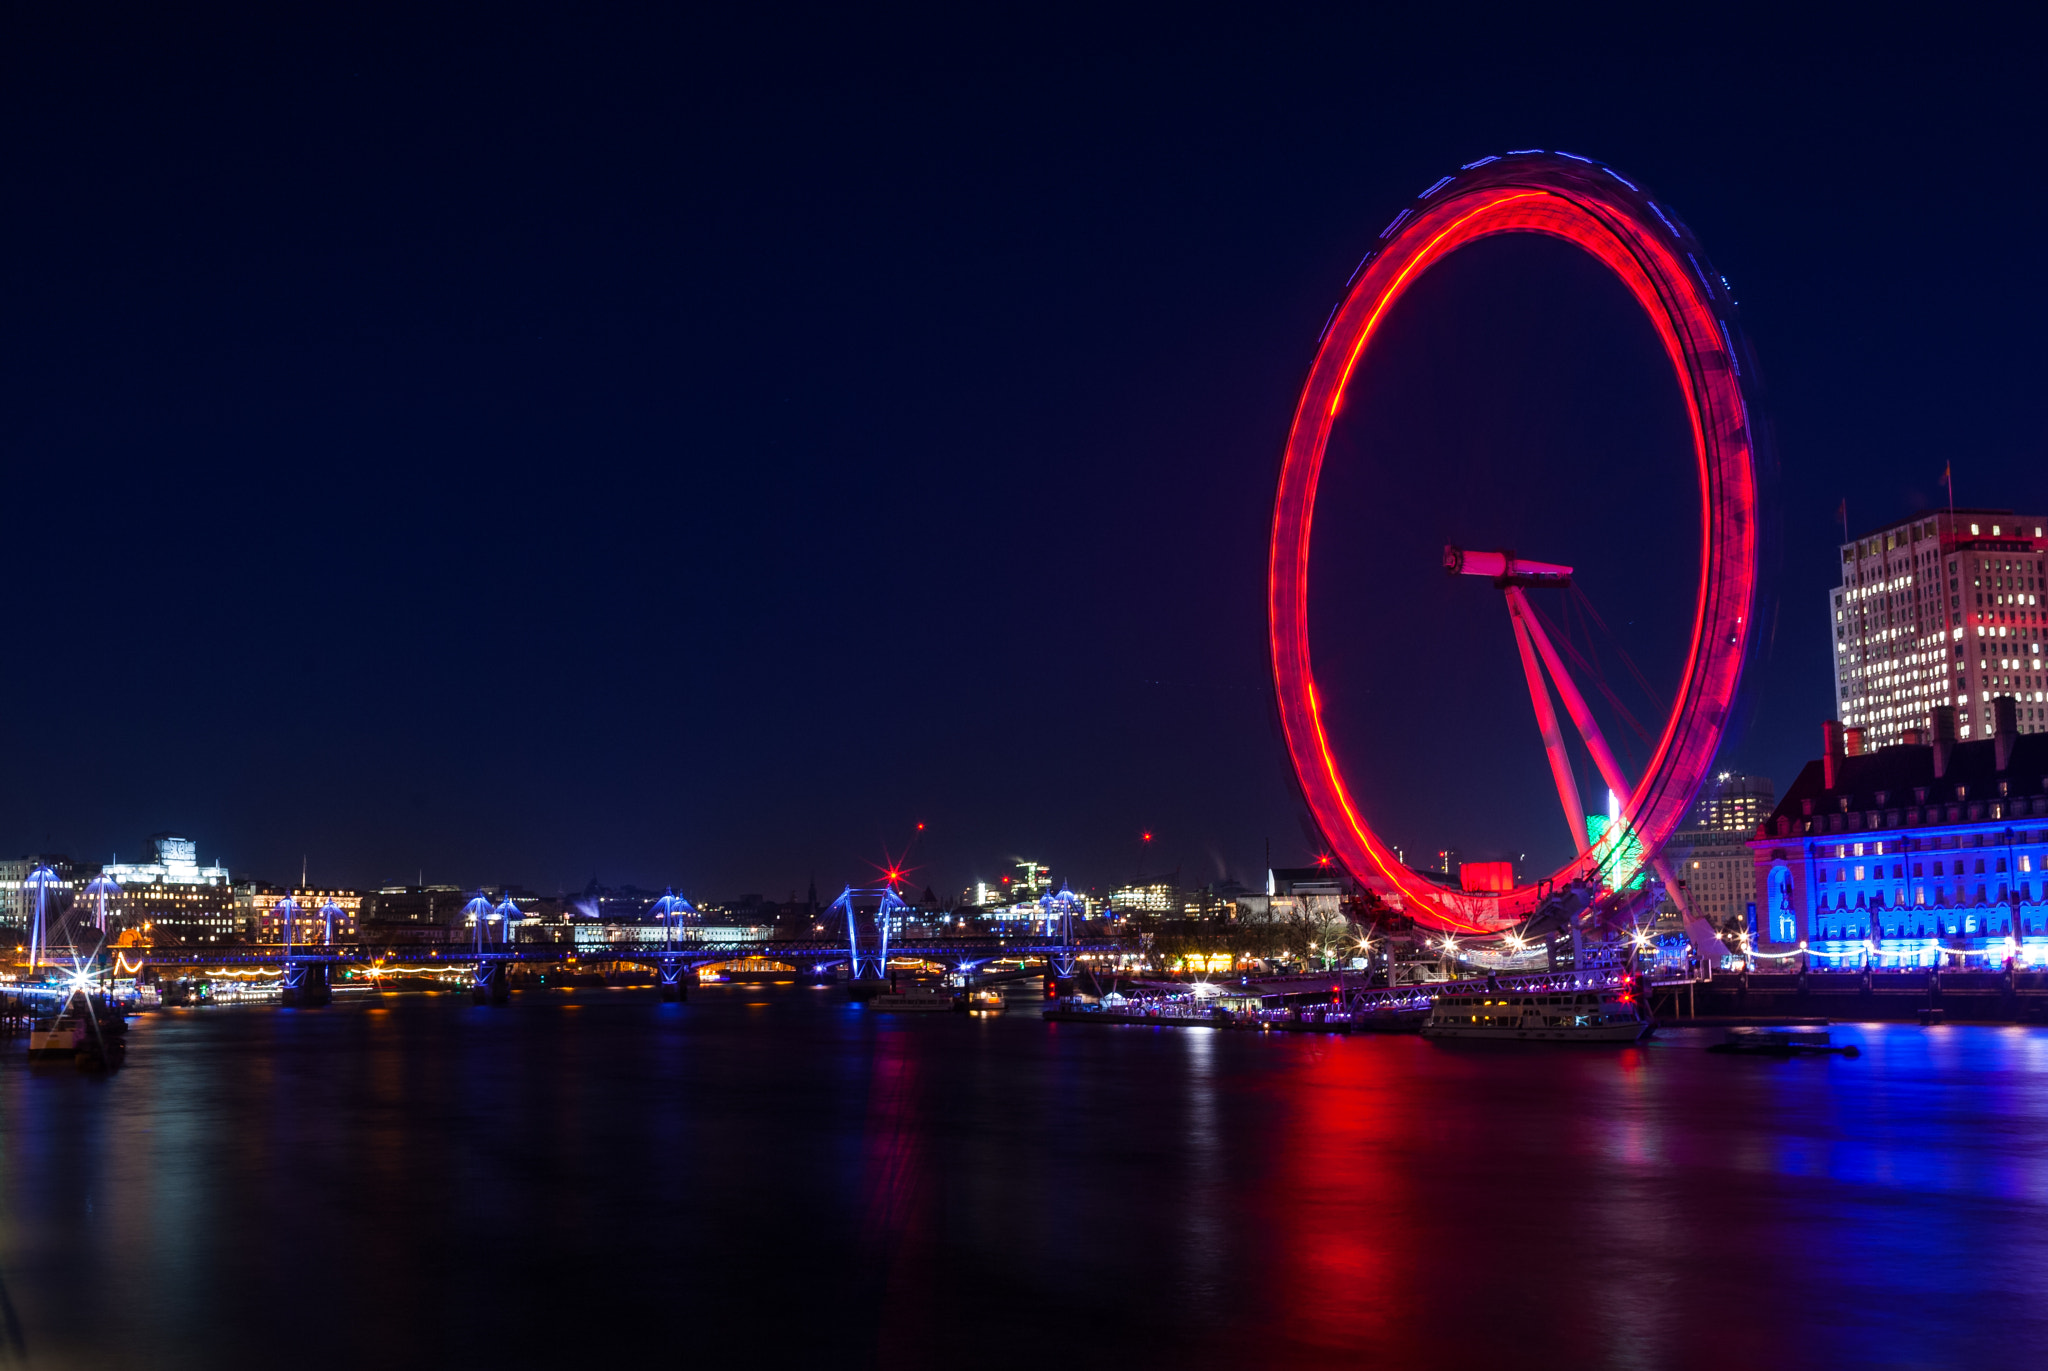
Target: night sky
[{"x": 696, "y": 446}]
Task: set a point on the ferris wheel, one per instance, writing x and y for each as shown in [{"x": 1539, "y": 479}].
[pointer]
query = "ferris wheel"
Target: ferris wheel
[{"x": 1648, "y": 248}]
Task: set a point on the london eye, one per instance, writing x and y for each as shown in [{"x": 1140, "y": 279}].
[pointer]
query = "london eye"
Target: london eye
[{"x": 1643, "y": 244}]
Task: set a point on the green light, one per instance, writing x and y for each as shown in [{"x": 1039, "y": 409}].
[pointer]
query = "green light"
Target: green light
[{"x": 1620, "y": 861}]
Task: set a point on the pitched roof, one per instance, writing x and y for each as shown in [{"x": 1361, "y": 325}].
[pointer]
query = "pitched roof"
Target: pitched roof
[{"x": 1897, "y": 771}]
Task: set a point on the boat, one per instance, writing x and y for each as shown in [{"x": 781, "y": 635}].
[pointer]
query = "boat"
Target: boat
[
  {"x": 1783, "y": 1042},
  {"x": 1612, "y": 1015},
  {"x": 56, "y": 1037},
  {"x": 982, "y": 1001},
  {"x": 919, "y": 999},
  {"x": 92, "y": 1034}
]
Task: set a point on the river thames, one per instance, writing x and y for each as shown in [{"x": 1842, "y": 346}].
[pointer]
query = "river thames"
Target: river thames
[{"x": 773, "y": 1174}]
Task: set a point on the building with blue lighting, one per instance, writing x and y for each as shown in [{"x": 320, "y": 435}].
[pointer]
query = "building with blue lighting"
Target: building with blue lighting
[{"x": 1902, "y": 854}]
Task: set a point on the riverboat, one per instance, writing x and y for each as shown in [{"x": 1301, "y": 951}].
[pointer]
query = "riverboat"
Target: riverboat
[
  {"x": 918, "y": 999},
  {"x": 55, "y": 1038},
  {"x": 92, "y": 1034},
  {"x": 982, "y": 1001},
  {"x": 1581, "y": 1016}
]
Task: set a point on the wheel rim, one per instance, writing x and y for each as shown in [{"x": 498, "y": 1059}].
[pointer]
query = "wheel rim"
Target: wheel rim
[{"x": 1662, "y": 265}]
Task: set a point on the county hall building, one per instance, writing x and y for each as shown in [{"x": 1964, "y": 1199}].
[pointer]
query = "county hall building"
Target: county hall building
[{"x": 1902, "y": 852}]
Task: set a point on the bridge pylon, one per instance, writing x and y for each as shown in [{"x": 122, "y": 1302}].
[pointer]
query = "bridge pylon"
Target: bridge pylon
[
  {"x": 677, "y": 975},
  {"x": 491, "y": 985},
  {"x": 676, "y": 972},
  {"x": 1065, "y": 957},
  {"x": 305, "y": 984},
  {"x": 870, "y": 964}
]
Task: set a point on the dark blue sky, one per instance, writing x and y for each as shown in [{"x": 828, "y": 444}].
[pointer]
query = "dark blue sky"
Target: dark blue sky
[{"x": 528, "y": 442}]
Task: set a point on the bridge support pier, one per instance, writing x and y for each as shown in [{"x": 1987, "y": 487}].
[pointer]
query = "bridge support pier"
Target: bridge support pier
[
  {"x": 1059, "y": 973},
  {"x": 490, "y": 986},
  {"x": 676, "y": 976},
  {"x": 305, "y": 985}
]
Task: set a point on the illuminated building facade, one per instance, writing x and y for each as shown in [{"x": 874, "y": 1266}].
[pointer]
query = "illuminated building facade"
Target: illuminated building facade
[
  {"x": 1147, "y": 895},
  {"x": 1032, "y": 880},
  {"x": 309, "y": 925},
  {"x": 174, "y": 900},
  {"x": 1711, "y": 852},
  {"x": 169, "y": 913},
  {"x": 1294, "y": 893},
  {"x": 1047, "y": 909},
  {"x": 1942, "y": 609},
  {"x": 1906, "y": 851},
  {"x": 18, "y": 897}
]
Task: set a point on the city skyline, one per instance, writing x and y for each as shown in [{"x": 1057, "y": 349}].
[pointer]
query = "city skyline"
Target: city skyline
[
  {"x": 896, "y": 666},
  {"x": 524, "y": 537}
]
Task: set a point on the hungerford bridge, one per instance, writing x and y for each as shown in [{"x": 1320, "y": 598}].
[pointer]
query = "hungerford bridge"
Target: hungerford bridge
[{"x": 308, "y": 968}]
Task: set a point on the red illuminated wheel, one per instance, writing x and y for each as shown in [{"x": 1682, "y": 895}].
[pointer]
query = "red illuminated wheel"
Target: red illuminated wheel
[{"x": 1653, "y": 254}]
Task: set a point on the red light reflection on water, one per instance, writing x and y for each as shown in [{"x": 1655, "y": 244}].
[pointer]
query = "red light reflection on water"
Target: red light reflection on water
[
  {"x": 1337, "y": 1269},
  {"x": 893, "y": 1235}
]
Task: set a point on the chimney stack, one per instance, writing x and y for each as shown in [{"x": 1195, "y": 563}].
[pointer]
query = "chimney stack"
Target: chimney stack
[
  {"x": 2005, "y": 731},
  {"x": 1852, "y": 741},
  {"x": 1941, "y": 722},
  {"x": 1831, "y": 753},
  {"x": 1913, "y": 737}
]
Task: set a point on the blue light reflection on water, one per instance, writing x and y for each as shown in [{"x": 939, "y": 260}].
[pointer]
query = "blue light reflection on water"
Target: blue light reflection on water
[{"x": 595, "y": 1174}]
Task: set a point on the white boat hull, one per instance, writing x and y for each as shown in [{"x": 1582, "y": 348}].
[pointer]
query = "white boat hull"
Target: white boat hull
[
  {"x": 54, "y": 1042},
  {"x": 1607, "y": 1015},
  {"x": 1600, "y": 1033}
]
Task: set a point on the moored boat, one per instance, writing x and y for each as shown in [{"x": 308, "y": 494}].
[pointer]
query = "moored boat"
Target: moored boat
[
  {"x": 1611, "y": 1015},
  {"x": 56, "y": 1037},
  {"x": 918, "y": 999},
  {"x": 91, "y": 1033}
]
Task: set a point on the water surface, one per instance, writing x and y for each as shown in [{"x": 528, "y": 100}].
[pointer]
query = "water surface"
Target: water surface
[{"x": 770, "y": 1174}]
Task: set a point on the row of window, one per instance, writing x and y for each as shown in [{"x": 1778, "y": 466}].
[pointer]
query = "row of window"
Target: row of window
[
  {"x": 2026, "y": 862},
  {"x": 1961, "y": 926},
  {"x": 1941, "y": 899}
]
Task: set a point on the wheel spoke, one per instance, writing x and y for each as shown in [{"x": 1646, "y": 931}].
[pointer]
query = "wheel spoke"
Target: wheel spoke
[{"x": 1553, "y": 740}]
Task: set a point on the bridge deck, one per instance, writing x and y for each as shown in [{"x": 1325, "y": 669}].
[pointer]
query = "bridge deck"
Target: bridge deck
[{"x": 952, "y": 950}]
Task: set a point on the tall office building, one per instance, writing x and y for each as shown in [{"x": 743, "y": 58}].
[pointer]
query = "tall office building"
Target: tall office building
[
  {"x": 1941, "y": 609},
  {"x": 18, "y": 897},
  {"x": 1710, "y": 852}
]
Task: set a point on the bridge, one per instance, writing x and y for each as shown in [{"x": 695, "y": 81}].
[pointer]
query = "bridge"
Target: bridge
[
  {"x": 307, "y": 968},
  {"x": 307, "y": 971}
]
